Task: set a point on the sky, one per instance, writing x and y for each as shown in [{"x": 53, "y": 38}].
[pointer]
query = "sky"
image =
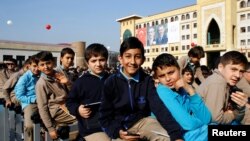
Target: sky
[{"x": 90, "y": 21}]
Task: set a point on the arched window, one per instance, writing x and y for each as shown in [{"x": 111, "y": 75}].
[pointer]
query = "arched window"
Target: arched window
[
  {"x": 176, "y": 18},
  {"x": 153, "y": 23},
  {"x": 187, "y": 16},
  {"x": 172, "y": 19},
  {"x": 144, "y": 25},
  {"x": 156, "y": 22},
  {"x": 194, "y": 15},
  {"x": 127, "y": 34},
  {"x": 139, "y": 26},
  {"x": 162, "y": 21},
  {"x": 136, "y": 27},
  {"x": 166, "y": 20},
  {"x": 242, "y": 4},
  {"x": 183, "y": 17}
]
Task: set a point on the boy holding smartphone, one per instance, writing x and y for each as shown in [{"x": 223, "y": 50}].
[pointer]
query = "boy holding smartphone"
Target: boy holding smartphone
[{"x": 84, "y": 98}]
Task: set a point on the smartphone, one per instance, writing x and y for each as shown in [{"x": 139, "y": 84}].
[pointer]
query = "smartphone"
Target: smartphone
[{"x": 89, "y": 105}]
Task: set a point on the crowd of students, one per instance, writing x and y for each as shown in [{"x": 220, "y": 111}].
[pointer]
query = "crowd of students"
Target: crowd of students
[{"x": 176, "y": 102}]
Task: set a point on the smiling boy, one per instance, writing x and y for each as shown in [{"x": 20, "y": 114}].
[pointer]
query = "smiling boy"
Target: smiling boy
[{"x": 128, "y": 98}]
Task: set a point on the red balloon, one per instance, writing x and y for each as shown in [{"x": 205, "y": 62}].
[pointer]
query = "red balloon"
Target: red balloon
[
  {"x": 193, "y": 44},
  {"x": 48, "y": 26}
]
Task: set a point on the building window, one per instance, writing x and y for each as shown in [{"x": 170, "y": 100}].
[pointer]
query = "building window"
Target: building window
[
  {"x": 166, "y": 20},
  {"x": 144, "y": 25},
  {"x": 153, "y": 23},
  {"x": 176, "y": 57},
  {"x": 166, "y": 49},
  {"x": 153, "y": 50},
  {"x": 162, "y": 21},
  {"x": 176, "y": 48},
  {"x": 248, "y": 3},
  {"x": 188, "y": 47},
  {"x": 187, "y": 16},
  {"x": 162, "y": 49},
  {"x": 172, "y": 48},
  {"x": 183, "y": 47},
  {"x": 20, "y": 61},
  {"x": 176, "y": 18},
  {"x": 195, "y": 25},
  {"x": 187, "y": 26},
  {"x": 242, "y": 4},
  {"x": 188, "y": 37},
  {"x": 195, "y": 36},
  {"x": 139, "y": 26},
  {"x": 242, "y": 42},
  {"x": 147, "y": 24},
  {"x": 248, "y": 29},
  {"x": 172, "y": 19},
  {"x": 248, "y": 16},
  {"x": 183, "y": 27},
  {"x": 194, "y": 15},
  {"x": 242, "y": 17},
  {"x": 148, "y": 50},
  {"x": 242, "y": 29},
  {"x": 148, "y": 59},
  {"x": 136, "y": 27},
  {"x": 248, "y": 54},
  {"x": 248, "y": 41},
  {"x": 156, "y": 50},
  {"x": 182, "y": 17},
  {"x": 5, "y": 57},
  {"x": 156, "y": 22},
  {"x": 183, "y": 37}
]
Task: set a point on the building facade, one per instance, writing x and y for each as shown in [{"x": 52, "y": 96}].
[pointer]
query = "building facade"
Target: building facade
[
  {"x": 23, "y": 50},
  {"x": 216, "y": 25}
]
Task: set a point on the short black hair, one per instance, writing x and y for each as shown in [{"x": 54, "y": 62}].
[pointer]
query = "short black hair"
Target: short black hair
[
  {"x": 44, "y": 56},
  {"x": 196, "y": 51},
  {"x": 67, "y": 51},
  {"x": 96, "y": 49},
  {"x": 131, "y": 43},
  {"x": 164, "y": 59}
]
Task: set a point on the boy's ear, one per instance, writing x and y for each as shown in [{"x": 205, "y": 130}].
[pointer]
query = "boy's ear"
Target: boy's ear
[
  {"x": 119, "y": 58},
  {"x": 220, "y": 66}
]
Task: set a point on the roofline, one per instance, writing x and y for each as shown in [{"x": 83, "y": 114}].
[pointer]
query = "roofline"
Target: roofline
[
  {"x": 32, "y": 43},
  {"x": 128, "y": 17}
]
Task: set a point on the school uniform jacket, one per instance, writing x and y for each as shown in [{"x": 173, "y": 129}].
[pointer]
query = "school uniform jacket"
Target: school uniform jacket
[
  {"x": 87, "y": 89},
  {"x": 125, "y": 102},
  {"x": 215, "y": 92}
]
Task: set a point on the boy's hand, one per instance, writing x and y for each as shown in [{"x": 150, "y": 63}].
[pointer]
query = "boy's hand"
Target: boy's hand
[
  {"x": 84, "y": 112},
  {"x": 53, "y": 135},
  {"x": 239, "y": 98},
  {"x": 61, "y": 78},
  {"x": 124, "y": 135},
  {"x": 7, "y": 103},
  {"x": 181, "y": 83}
]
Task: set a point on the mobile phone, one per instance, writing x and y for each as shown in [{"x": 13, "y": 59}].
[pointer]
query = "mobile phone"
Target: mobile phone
[
  {"x": 234, "y": 89},
  {"x": 89, "y": 105},
  {"x": 132, "y": 134}
]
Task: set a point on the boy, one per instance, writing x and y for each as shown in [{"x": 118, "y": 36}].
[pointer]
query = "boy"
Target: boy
[
  {"x": 5, "y": 73},
  {"x": 225, "y": 105},
  {"x": 67, "y": 61},
  {"x": 25, "y": 93},
  {"x": 51, "y": 95},
  {"x": 193, "y": 61},
  {"x": 8, "y": 88},
  {"x": 180, "y": 98},
  {"x": 96, "y": 56},
  {"x": 128, "y": 98}
]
